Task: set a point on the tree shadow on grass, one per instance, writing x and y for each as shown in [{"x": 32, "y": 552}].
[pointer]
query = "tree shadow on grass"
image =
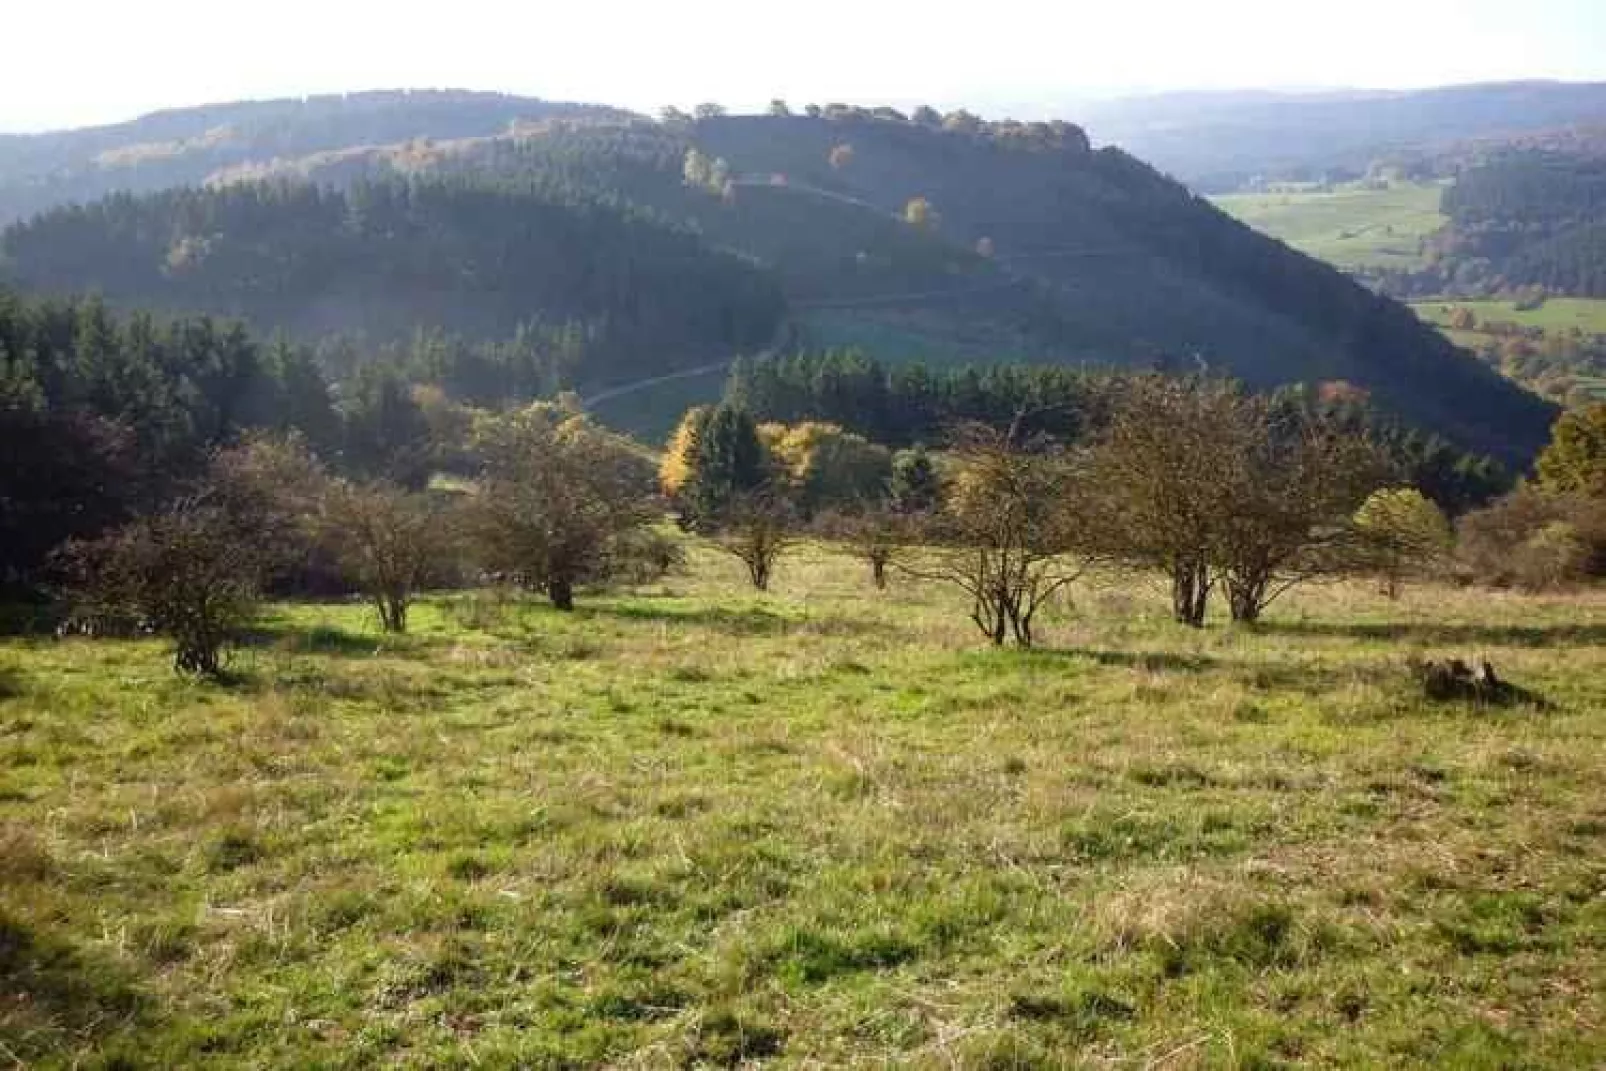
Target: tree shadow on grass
[
  {"x": 324, "y": 640},
  {"x": 1579, "y": 635},
  {"x": 11, "y": 686},
  {"x": 54, "y": 994},
  {"x": 1149, "y": 661},
  {"x": 749, "y": 621},
  {"x": 1306, "y": 677}
]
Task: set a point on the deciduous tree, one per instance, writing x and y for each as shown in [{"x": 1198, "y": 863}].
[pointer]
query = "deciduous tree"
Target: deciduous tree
[
  {"x": 1401, "y": 533},
  {"x": 825, "y": 467},
  {"x": 757, "y": 527},
  {"x": 556, "y": 495},
  {"x": 1292, "y": 483},
  {"x": 388, "y": 542},
  {"x": 919, "y": 213},
  {"x": 1156, "y": 470},
  {"x": 186, "y": 571},
  {"x": 1575, "y": 460},
  {"x": 1010, "y": 534}
]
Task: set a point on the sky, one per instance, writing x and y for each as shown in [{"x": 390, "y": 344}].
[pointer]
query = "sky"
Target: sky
[{"x": 80, "y": 62}]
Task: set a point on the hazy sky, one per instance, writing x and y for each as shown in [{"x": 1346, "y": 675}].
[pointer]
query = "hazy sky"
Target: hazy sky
[{"x": 75, "y": 62}]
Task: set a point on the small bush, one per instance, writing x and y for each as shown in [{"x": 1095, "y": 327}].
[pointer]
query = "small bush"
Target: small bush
[
  {"x": 188, "y": 572},
  {"x": 1535, "y": 541},
  {"x": 645, "y": 555}
]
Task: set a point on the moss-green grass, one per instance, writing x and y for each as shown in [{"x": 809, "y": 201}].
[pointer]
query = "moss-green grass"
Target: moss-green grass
[
  {"x": 1350, "y": 226},
  {"x": 692, "y": 825}
]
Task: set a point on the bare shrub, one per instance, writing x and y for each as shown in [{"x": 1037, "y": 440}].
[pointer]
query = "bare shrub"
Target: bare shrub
[
  {"x": 187, "y": 571},
  {"x": 1535, "y": 541},
  {"x": 875, "y": 535},
  {"x": 757, "y": 528},
  {"x": 388, "y": 542},
  {"x": 1011, "y": 531}
]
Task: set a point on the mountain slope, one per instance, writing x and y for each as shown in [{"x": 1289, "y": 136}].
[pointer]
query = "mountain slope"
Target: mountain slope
[
  {"x": 1017, "y": 232},
  {"x": 1119, "y": 263}
]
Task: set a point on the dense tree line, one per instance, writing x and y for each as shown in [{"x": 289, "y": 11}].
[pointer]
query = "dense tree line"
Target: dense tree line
[
  {"x": 905, "y": 404},
  {"x": 103, "y": 415},
  {"x": 1536, "y": 188},
  {"x": 1222, "y": 493}
]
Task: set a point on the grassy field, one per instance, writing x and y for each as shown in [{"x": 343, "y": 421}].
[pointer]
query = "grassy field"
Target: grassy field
[
  {"x": 1350, "y": 226},
  {"x": 1556, "y": 314},
  {"x": 688, "y": 825}
]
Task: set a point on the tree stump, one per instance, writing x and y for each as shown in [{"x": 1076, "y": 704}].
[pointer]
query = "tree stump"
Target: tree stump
[{"x": 1452, "y": 679}]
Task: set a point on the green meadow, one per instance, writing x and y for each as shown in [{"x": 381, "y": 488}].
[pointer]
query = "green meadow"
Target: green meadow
[
  {"x": 1557, "y": 314},
  {"x": 1349, "y": 226},
  {"x": 688, "y": 825}
]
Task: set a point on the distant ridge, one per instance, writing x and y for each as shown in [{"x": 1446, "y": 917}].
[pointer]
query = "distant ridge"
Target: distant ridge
[
  {"x": 1217, "y": 140},
  {"x": 182, "y": 146}
]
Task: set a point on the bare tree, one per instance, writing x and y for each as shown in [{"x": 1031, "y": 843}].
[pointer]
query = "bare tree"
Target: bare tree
[
  {"x": 388, "y": 543},
  {"x": 1219, "y": 487},
  {"x": 1156, "y": 471},
  {"x": 1010, "y": 531},
  {"x": 873, "y": 533},
  {"x": 1293, "y": 483},
  {"x": 757, "y": 527}
]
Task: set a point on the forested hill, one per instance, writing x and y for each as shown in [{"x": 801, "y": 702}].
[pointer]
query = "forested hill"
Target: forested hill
[
  {"x": 380, "y": 260},
  {"x": 187, "y": 146},
  {"x": 1532, "y": 219},
  {"x": 1525, "y": 222},
  {"x": 1008, "y": 239}
]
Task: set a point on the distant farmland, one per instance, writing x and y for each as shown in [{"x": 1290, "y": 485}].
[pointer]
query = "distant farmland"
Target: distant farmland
[
  {"x": 1556, "y": 314},
  {"x": 1348, "y": 226}
]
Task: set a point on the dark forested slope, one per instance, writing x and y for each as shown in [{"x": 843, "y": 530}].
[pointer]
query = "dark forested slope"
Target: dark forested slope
[{"x": 381, "y": 259}]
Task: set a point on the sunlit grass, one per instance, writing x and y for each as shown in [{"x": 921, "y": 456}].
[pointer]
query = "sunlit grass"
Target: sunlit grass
[
  {"x": 1558, "y": 315},
  {"x": 691, "y": 824},
  {"x": 1349, "y": 226}
]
